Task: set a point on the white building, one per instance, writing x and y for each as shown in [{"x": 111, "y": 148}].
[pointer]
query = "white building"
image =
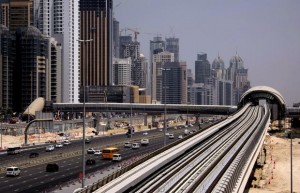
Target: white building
[
  {"x": 60, "y": 19},
  {"x": 122, "y": 71}
]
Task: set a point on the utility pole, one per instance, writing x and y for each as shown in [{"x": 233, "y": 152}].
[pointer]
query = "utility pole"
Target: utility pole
[{"x": 83, "y": 120}]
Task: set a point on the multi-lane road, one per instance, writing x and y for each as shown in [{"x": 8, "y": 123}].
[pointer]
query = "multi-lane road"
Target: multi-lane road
[{"x": 34, "y": 177}]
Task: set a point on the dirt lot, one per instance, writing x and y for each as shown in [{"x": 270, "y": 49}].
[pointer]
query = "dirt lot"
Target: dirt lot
[{"x": 276, "y": 173}]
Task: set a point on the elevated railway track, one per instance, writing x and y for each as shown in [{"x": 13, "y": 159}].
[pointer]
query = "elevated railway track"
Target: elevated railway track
[{"x": 215, "y": 160}]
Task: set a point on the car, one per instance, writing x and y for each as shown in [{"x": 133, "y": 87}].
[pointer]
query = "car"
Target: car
[
  {"x": 127, "y": 144},
  {"x": 190, "y": 125},
  {"x": 171, "y": 136},
  {"x": 97, "y": 152},
  {"x": 144, "y": 141},
  {"x": 90, "y": 162},
  {"x": 52, "y": 167},
  {"x": 135, "y": 146},
  {"x": 117, "y": 157},
  {"x": 33, "y": 155},
  {"x": 145, "y": 133},
  {"x": 185, "y": 126},
  {"x": 13, "y": 171},
  {"x": 59, "y": 145},
  {"x": 91, "y": 151},
  {"x": 180, "y": 137},
  {"x": 186, "y": 132},
  {"x": 167, "y": 134},
  {"x": 50, "y": 148},
  {"x": 87, "y": 140},
  {"x": 67, "y": 142}
]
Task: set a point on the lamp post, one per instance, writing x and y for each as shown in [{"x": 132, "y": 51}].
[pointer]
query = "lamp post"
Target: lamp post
[
  {"x": 83, "y": 120},
  {"x": 165, "y": 104}
]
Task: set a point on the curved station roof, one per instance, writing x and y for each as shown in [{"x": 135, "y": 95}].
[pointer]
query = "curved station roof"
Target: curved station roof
[{"x": 264, "y": 92}]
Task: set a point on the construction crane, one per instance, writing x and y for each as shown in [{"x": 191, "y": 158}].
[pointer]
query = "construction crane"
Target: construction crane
[{"x": 135, "y": 33}]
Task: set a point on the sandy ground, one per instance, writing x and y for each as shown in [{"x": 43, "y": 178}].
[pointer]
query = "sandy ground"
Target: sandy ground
[
  {"x": 274, "y": 176},
  {"x": 276, "y": 173}
]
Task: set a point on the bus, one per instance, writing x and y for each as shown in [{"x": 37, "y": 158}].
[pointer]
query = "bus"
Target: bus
[
  {"x": 107, "y": 153},
  {"x": 13, "y": 150}
]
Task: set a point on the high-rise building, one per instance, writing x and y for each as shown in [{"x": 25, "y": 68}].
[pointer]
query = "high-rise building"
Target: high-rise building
[
  {"x": 174, "y": 83},
  {"x": 221, "y": 87},
  {"x": 239, "y": 76},
  {"x": 157, "y": 45},
  {"x": 122, "y": 71},
  {"x": 172, "y": 45},
  {"x": 202, "y": 69},
  {"x": 60, "y": 19},
  {"x": 158, "y": 61},
  {"x": 6, "y": 61},
  {"x": 96, "y": 56},
  {"x": 116, "y": 39},
  {"x": 17, "y": 13}
]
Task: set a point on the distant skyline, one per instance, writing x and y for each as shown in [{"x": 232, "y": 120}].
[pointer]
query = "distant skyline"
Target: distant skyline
[{"x": 265, "y": 33}]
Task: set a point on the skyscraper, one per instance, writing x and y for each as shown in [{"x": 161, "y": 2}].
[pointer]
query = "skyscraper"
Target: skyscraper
[
  {"x": 202, "y": 69},
  {"x": 172, "y": 45},
  {"x": 60, "y": 19},
  {"x": 96, "y": 56},
  {"x": 239, "y": 76},
  {"x": 156, "y": 45},
  {"x": 158, "y": 61}
]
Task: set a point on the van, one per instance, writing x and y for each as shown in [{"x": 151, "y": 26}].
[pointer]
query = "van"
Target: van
[
  {"x": 13, "y": 171},
  {"x": 117, "y": 157}
]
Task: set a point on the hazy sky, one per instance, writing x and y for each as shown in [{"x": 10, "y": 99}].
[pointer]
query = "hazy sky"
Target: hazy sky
[{"x": 265, "y": 33}]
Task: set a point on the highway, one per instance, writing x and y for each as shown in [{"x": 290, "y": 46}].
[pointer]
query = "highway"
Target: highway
[{"x": 34, "y": 177}]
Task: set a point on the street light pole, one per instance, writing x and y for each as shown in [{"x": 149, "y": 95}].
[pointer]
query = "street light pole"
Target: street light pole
[
  {"x": 83, "y": 120},
  {"x": 165, "y": 105}
]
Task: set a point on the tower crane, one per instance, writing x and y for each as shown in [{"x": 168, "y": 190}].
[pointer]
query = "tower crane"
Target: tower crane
[{"x": 135, "y": 33}]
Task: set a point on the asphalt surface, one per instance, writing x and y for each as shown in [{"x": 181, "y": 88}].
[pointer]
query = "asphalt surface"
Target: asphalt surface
[{"x": 34, "y": 177}]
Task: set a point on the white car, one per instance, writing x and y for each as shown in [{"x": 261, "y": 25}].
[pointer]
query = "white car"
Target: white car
[
  {"x": 117, "y": 157},
  {"x": 135, "y": 146},
  {"x": 91, "y": 151},
  {"x": 13, "y": 171},
  {"x": 180, "y": 137},
  {"x": 144, "y": 141},
  {"x": 58, "y": 145},
  {"x": 128, "y": 144},
  {"x": 67, "y": 142},
  {"x": 171, "y": 136},
  {"x": 50, "y": 148},
  {"x": 97, "y": 152},
  {"x": 145, "y": 133}
]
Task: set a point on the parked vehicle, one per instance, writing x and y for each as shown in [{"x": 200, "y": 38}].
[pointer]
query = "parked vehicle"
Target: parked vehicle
[
  {"x": 87, "y": 140},
  {"x": 135, "y": 146},
  {"x": 33, "y": 155},
  {"x": 50, "y": 148},
  {"x": 117, "y": 157},
  {"x": 13, "y": 171},
  {"x": 52, "y": 167},
  {"x": 186, "y": 132},
  {"x": 144, "y": 141},
  {"x": 145, "y": 133},
  {"x": 180, "y": 137},
  {"x": 127, "y": 144}
]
